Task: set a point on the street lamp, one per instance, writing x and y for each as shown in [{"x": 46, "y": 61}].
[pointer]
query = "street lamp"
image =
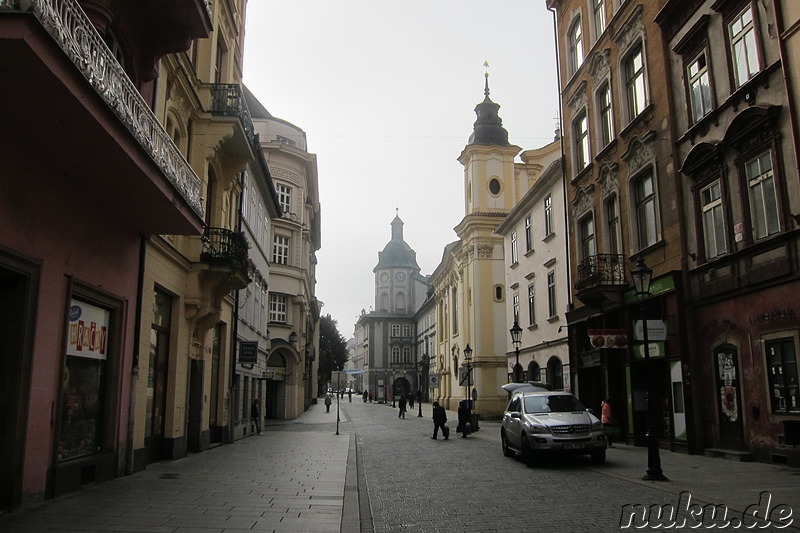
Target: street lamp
[
  {"x": 642, "y": 275},
  {"x": 420, "y": 375},
  {"x": 516, "y": 332}
]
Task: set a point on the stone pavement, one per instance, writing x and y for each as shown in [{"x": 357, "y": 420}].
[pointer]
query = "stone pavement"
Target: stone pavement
[
  {"x": 291, "y": 479},
  {"x": 301, "y": 476}
]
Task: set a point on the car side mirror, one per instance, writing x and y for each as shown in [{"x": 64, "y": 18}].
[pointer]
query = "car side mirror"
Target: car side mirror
[{"x": 516, "y": 415}]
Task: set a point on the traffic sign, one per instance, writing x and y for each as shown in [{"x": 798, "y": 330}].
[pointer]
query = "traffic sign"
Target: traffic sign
[{"x": 433, "y": 381}]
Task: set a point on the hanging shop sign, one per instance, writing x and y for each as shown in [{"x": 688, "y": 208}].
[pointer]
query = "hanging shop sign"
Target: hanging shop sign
[
  {"x": 608, "y": 338},
  {"x": 248, "y": 352}
]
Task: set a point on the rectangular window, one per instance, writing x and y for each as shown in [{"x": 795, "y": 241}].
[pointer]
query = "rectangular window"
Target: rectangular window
[
  {"x": 635, "y": 83},
  {"x": 612, "y": 225},
  {"x": 395, "y": 330},
  {"x": 284, "y": 197},
  {"x": 515, "y": 309},
  {"x": 406, "y": 330},
  {"x": 406, "y": 355},
  {"x": 277, "y": 308},
  {"x": 454, "y": 310},
  {"x": 528, "y": 234},
  {"x": 763, "y": 197},
  {"x": 783, "y": 377},
  {"x": 532, "y": 304},
  {"x": 713, "y": 220},
  {"x": 580, "y": 131},
  {"x": 606, "y": 114},
  {"x": 548, "y": 215},
  {"x": 280, "y": 250},
  {"x": 514, "y": 256},
  {"x": 699, "y": 86},
  {"x": 644, "y": 193},
  {"x": 599, "y": 17},
  {"x": 551, "y": 294},
  {"x": 744, "y": 54},
  {"x": 588, "y": 246}
]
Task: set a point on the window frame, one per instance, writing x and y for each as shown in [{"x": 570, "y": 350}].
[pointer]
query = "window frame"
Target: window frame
[
  {"x": 528, "y": 233},
  {"x": 612, "y": 224},
  {"x": 532, "y": 303},
  {"x": 588, "y": 241},
  {"x": 284, "y": 193},
  {"x": 638, "y": 203},
  {"x": 635, "y": 78},
  {"x": 716, "y": 205},
  {"x": 280, "y": 249},
  {"x": 278, "y": 306},
  {"x": 748, "y": 190},
  {"x": 575, "y": 45},
  {"x": 599, "y": 18},
  {"x": 605, "y": 113},
  {"x": 580, "y": 141},
  {"x": 552, "y": 306},
  {"x": 785, "y": 339},
  {"x": 548, "y": 215},
  {"x": 514, "y": 251},
  {"x": 732, "y": 18},
  {"x": 689, "y": 60}
]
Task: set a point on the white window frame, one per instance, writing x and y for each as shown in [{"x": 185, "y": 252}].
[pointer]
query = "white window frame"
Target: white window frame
[
  {"x": 277, "y": 307},
  {"x": 713, "y": 220},
  {"x": 514, "y": 252},
  {"x": 698, "y": 80},
  {"x": 280, "y": 250},
  {"x": 284, "y": 197},
  {"x": 528, "y": 234},
  {"x": 743, "y": 46},
  {"x": 548, "y": 215},
  {"x": 764, "y": 211}
]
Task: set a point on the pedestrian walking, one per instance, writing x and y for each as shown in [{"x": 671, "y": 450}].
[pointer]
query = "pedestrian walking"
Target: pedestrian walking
[
  {"x": 364, "y": 396},
  {"x": 402, "y": 405},
  {"x": 607, "y": 418},
  {"x": 350, "y": 395},
  {"x": 410, "y": 401},
  {"x": 327, "y": 403},
  {"x": 464, "y": 423},
  {"x": 439, "y": 421},
  {"x": 370, "y": 396},
  {"x": 255, "y": 415}
]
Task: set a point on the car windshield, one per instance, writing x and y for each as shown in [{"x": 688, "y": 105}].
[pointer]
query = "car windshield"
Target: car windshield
[{"x": 561, "y": 403}]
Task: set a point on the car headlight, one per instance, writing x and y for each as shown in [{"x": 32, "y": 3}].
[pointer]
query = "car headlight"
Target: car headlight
[
  {"x": 597, "y": 426},
  {"x": 539, "y": 428}
]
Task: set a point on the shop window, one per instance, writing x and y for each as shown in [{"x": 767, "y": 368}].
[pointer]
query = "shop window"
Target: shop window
[{"x": 783, "y": 378}]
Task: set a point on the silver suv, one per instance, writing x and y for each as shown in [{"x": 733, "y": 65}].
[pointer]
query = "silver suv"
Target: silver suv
[{"x": 550, "y": 421}]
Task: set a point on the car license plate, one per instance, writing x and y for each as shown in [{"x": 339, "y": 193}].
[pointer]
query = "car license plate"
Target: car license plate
[{"x": 573, "y": 445}]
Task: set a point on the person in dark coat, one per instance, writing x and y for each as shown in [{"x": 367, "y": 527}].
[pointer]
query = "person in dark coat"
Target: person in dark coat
[
  {"x": 328, "y": 403},
  {"x": 255, "y": 415},
  {"x": 410, "y": 401},
  {"x": 439, "y": 420},
  {"x": 402, "y": 404},
  {"x": 464, "y": 423}
]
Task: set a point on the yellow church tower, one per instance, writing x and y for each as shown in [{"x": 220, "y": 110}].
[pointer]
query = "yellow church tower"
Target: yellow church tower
[{"x": 493, "y": 186}]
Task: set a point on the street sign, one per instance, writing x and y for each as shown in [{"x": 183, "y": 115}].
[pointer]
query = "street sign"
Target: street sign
[
  {"x": 463, "y": 376},
  {"x": 248, "y": 352},
  {"x": 433, "y": 381},
  {"x": 353, "y": 371}
]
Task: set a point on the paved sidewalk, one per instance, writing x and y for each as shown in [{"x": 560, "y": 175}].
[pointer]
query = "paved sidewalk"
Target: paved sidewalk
[{"x": 291, "y": 479}]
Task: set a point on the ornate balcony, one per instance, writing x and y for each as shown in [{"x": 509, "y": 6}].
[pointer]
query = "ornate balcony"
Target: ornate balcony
[
  {"x": 225, "y": 250},
  {"x": 74, "y": 34},
  {"x": 601, "y": 278}
]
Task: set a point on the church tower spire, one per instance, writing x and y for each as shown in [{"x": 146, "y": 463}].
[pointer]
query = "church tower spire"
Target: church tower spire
[{"x": 488, "y": 128}]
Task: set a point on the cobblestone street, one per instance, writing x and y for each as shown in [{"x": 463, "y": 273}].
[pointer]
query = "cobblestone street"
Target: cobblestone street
[{"x": 385, "y": 474}]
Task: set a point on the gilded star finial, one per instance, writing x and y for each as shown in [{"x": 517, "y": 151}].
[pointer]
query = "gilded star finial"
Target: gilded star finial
[{"x": 486, "y": 75}]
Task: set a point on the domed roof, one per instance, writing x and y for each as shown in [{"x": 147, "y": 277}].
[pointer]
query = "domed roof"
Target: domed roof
[
  {"x": 488, "y": 129},
  {"x": 397, "y": 253}
]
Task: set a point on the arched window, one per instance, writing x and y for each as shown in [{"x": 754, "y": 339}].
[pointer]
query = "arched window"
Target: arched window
[
  {"x": 395, "y": 354},
  {"x": 575, "y": 46},
  {"x": 555, "y": 375},
  {"x": 534, "y": 371}
]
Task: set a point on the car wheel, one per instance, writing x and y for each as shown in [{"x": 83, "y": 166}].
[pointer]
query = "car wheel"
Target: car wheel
[
  {"x": 527, "y": 453},
  {"x": 599, "y": 456},
  {"x": 508, "y": 452}
]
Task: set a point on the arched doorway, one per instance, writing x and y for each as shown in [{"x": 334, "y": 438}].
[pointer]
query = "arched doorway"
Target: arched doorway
[
  {"x": 534, "y": 372},
  {"x": 555, "y": 373},
  {"x": 275, "y": 401}
]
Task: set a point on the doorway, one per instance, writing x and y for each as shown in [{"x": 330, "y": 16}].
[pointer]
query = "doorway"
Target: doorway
[
  {"x": 195, "y": 417},
  {"x": 729, "y": 402},
  {"x": 18, "y": 290}
]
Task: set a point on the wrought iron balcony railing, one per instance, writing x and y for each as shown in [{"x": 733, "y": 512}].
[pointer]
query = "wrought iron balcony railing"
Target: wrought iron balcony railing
[
  {"x": 601, "y": 271},
  {"x": 223, "y": 247},
  {"x": 69, "y": 26}
]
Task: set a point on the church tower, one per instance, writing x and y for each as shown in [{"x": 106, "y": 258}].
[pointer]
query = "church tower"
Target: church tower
[
  {"x": 397, "y": 277},
  {"x": 492, "y": 186}
]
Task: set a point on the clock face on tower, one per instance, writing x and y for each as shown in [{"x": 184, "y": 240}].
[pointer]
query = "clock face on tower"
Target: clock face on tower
[
  {"x": 400, "y": 276},
  {"x": 384, "y": 277}
]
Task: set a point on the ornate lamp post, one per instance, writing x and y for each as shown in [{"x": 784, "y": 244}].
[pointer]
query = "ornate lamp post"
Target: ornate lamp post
[
  {"x": 420, "y": 375},
  {"x": 516, "y": 332},
  {"x": 642, "y": 275}
]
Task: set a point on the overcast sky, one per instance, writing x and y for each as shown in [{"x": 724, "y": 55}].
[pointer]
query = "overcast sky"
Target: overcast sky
[{"x": 385, "y": 91}]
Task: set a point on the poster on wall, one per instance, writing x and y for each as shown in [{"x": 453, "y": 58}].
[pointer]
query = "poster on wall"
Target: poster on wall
[
  {"x": 608, "y": 338},
  {"x": 87, "y": 333}
]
